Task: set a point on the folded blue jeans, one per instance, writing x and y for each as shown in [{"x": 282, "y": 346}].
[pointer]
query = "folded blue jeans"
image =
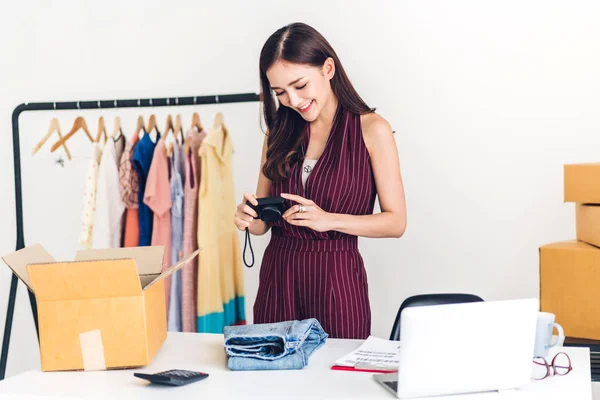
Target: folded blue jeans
[{"x": 281, "y": 345}]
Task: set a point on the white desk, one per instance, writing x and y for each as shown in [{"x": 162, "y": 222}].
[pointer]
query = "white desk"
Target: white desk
[{"x": 205, "y": 353}]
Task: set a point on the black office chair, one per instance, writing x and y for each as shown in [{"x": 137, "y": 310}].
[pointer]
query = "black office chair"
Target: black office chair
[{"x": 430, "y": 300}]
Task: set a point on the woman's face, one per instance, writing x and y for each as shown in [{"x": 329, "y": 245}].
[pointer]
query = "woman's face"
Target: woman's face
[{"x": 304, "y": 88}]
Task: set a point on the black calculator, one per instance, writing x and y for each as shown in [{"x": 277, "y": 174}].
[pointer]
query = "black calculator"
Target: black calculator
[{"x": 173, "y": 377}]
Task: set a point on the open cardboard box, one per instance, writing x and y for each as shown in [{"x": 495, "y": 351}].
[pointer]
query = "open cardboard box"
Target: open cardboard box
[{"x": 105, "y": 310}]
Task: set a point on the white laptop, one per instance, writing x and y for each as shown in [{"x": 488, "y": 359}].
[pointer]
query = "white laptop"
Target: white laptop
[{"x": 464, "y": 348}]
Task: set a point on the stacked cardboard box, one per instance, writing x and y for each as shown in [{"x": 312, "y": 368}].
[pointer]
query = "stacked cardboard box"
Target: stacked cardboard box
[{"x": 570, "y": 270}]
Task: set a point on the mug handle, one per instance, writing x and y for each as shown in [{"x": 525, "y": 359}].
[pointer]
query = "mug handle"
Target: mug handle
[{"x": 561, "y": 335}]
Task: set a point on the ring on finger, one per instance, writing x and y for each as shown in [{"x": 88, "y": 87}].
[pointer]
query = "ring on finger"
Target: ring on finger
[{"x": 301, "y": 209}]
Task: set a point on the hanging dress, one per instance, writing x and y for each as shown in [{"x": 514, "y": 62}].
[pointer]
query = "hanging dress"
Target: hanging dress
[
  {"x": 220, "y": 274},
  {"x": 177, "y": 163},
  {"x": 89, "y": 196},
  {"x": 108, "y": 217},
  {"x": 142, "y": 160},
  {"x": 189, "y": 273},
  {"x": 157, "y": 197},
  {"x": 129, "y": 191}
]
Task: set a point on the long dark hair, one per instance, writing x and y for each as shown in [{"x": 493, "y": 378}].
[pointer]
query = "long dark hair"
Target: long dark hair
[{"x": 300, "y": 44}]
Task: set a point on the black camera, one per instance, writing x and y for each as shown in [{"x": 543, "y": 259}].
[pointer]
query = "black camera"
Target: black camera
[{"x": 269, "y": 209}]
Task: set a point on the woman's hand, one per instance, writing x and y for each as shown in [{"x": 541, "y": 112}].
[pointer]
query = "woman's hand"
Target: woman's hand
[
  {"x": 244, "y": 214},
  {"x": 307, "y": 213}
]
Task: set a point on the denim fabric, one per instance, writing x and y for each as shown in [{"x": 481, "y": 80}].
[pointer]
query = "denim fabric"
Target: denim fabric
[{"x": 281, "y": 345}]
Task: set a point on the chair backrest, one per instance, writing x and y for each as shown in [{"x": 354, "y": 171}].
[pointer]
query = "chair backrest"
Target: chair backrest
[{"x": 430, "y": 300}]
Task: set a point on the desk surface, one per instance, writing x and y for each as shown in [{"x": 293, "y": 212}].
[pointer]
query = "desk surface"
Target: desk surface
[{"x": 203, "y": 352}]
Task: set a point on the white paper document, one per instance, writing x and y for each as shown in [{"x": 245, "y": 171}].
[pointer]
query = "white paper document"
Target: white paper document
[{"x": 375, "y": 353}]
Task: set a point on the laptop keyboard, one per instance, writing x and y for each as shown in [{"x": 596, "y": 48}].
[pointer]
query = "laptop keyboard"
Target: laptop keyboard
[
  {"x": 594, "y": 346},
  {"x": 595, "y": 365},
  {"x": 392, "y": 385}
]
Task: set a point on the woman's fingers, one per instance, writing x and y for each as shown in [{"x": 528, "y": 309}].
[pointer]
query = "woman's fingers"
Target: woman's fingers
[
  {"x": 247, "y": 218},
  {"x": 299, "y": 222},
  {"x": 296, "y": 198},
  {"x": 243, "y": 221},
  {"x": 301, "y": 212},
  {"x": 290, "y": 211},
  {"x": 241, "y": 224},
  {"x": 251, "y": 198},
  {"x": 249, "y": 211}
]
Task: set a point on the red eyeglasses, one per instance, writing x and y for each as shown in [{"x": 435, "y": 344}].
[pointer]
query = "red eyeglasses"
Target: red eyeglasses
[{"x": 560, "y": 365}]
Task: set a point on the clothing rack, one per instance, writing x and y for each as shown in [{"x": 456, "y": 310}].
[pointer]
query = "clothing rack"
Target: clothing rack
[{"x": 82, "y": 105}]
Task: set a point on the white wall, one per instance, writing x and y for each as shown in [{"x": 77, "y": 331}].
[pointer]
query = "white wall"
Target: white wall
[{"x": 488, "y": 101}]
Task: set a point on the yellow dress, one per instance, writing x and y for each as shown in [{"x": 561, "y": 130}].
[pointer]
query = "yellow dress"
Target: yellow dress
[
  {"x": 89, "y": 196},
  {"x": 220, "y": 274}
]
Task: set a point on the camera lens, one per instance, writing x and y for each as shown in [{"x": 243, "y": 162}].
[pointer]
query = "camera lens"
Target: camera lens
[{"x": 270, "y": 214}]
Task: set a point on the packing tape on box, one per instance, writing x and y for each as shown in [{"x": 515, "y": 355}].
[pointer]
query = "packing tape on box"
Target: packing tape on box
[{"x": 92, "y": 351}]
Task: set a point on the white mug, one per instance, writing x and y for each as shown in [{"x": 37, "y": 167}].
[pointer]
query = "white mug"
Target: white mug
[{"x": 543, "y": 336}]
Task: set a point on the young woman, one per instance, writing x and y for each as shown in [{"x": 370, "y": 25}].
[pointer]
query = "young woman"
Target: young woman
[{"x": 328, "y": 154}]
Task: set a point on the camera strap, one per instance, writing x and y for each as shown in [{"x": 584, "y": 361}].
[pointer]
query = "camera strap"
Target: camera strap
[{"x": 248, "y": 243}]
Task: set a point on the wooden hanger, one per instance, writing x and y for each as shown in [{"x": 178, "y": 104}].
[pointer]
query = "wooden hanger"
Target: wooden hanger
[
  {"x": 218, "y": 121},
  {"x": 140, "y": 125},
  {"x": 101, "y": 130},
  {"x": 79, "y": 123},
  {"x": 152, "y": 124},
  {"x": 54, "y": 127},
  {"x": 178, "y": 129},
  {"x": 196, "y": 121},
  {"x": 218, "y": 124},
  {"x": 169, "y": 128},
  {"x": 178, "y": 135},
  {"x": 117, "y": 131}
]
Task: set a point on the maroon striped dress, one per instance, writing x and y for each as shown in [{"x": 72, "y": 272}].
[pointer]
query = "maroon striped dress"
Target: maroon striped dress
[{"x": 309, "y": 274}]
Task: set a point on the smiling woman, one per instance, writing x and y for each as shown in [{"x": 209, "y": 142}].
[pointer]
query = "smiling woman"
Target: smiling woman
[{"x": 329, "y": 155}]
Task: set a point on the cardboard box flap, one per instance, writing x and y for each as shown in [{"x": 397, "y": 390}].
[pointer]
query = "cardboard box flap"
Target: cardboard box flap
[
  {"x": 78, "y": 280},
  {"x": 584, "y": 164},
  {"x": 568, "y": 245},
  {"x": 148, "y": 258},
  {"x": 174, "y": 268},
  {"x": 19, "y": 260}
]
